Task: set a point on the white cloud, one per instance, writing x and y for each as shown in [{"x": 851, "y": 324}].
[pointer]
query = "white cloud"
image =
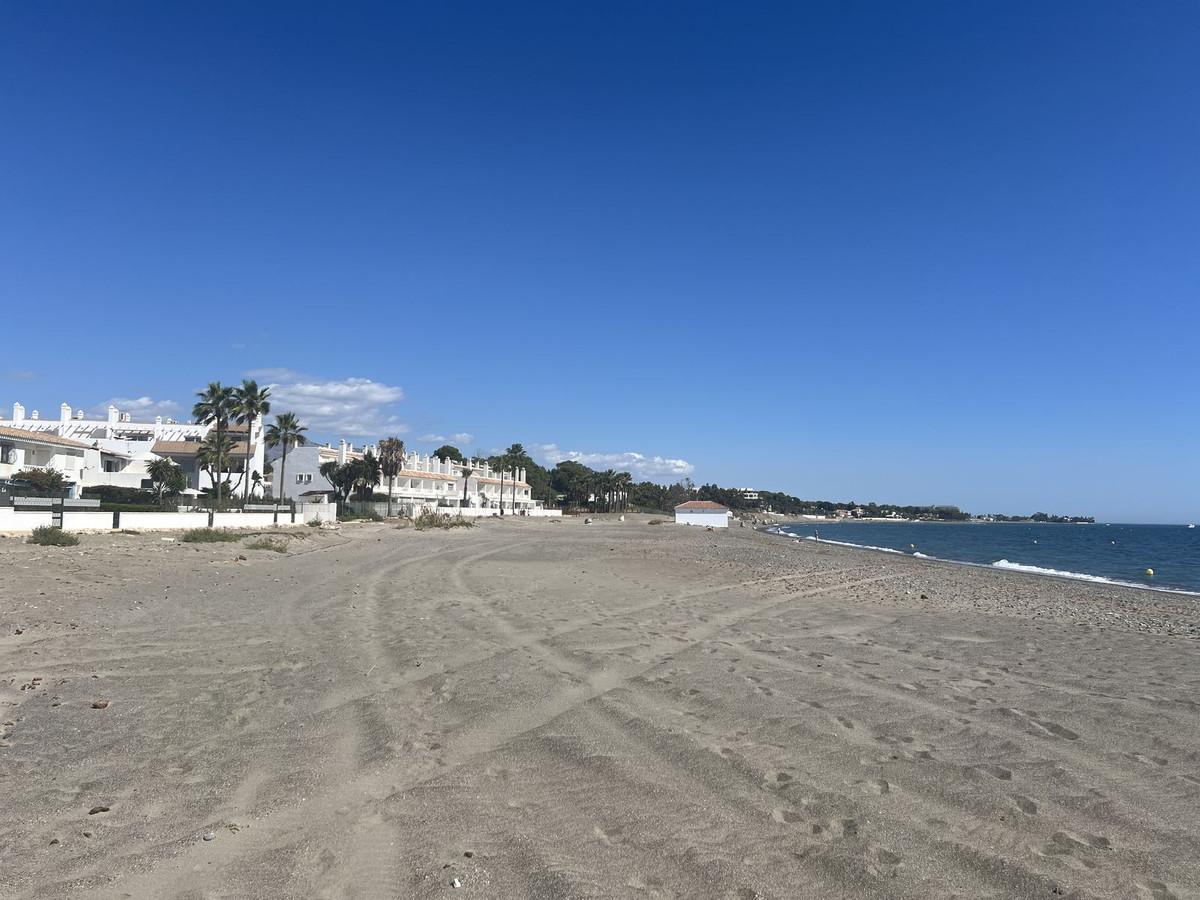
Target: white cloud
[
  {"x": 637, "y": 464},
  {"x": 140, "y": 408},
  {"x": 21, "y": 375},
  {"x": 461, "y": 437},
  {"x": 347, "y": 407}
]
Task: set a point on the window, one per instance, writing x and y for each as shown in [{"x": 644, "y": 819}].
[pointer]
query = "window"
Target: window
[{"x": 304, "y": 478}]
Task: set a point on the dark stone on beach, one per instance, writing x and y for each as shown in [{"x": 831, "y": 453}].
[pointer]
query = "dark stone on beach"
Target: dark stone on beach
[
  {"x": 100, "y": 704},
  {"x": 87, "y": 834},
  {"x": 53, "y": 842},
  {"x": 468, "y": 854},
  {"x": 19, "y": 631},
  {"x": 924, "y": 597},
  {"x": 97, "y": 809}
]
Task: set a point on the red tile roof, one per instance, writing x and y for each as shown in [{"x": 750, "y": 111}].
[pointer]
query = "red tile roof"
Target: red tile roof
[
  {"x": 191, "y": 448},
  {"x": 702, "y": 504},
  {"x": 40, "y": 437}
]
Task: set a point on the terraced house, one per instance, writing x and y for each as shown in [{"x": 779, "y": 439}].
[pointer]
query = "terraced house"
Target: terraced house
[
  {"x": 425, "y": 480},
  {"x": 115, "y": 450}
]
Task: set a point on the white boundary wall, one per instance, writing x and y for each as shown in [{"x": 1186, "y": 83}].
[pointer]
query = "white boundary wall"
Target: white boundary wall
[{"x": 88, "y": 520}]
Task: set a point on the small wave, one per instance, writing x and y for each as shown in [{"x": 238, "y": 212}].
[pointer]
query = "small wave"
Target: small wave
[
  {"x": 921, "y": 555},
  {"x": 847, "y": 544},
  {"x": 1059, "y": 573}
]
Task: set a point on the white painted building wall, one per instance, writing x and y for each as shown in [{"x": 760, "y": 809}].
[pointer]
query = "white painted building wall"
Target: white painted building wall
[{"x": 712, "y": 518}]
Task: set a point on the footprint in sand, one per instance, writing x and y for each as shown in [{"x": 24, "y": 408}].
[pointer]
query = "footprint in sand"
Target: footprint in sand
[
  {"x": 884, "y": 856},
  {"x": 1025, "y": 805},
  {"x": 996, "y": 772},
  {"x": 1156, "y": 890}
]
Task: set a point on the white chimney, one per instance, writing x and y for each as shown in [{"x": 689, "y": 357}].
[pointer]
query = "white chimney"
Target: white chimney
[
  {"x": 64, "y": 413},
  {"x": 113, "y": 414},
  {"x": 79, "y": 414},
  {"x": 18, "y": 413},
  {"x": 34, "y": 415}
]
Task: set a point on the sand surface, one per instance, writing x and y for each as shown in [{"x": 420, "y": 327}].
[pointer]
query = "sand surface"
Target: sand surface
[{"x": 553, "y": 710}]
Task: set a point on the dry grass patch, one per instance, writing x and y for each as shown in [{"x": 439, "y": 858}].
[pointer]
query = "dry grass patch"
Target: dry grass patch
[{"x": 49, "y": 536}]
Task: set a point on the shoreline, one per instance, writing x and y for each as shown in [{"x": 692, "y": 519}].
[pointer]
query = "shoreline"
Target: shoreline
[{"x": 1018, "y": 568}]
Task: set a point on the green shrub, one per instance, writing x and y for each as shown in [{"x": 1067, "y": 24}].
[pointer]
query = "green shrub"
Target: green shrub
[
  {"x": 49, "y": 536},
  {"x": 352, "y": 516},
  {"x": 208, "y": 536},
  {"x": 430, "y": 519},
  {"x": 123, "y": 496},
  {"x": 314, "y": 522},
  {"x": 267, "y": 543}
]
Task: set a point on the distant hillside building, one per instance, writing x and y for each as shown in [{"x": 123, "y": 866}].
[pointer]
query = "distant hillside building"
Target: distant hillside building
[
  {"x": 702, "y": 512},
  {"x": 750, "y": 495}
]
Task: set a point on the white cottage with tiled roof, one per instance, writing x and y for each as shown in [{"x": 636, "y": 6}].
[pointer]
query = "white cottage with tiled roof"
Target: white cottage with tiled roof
[{"x": 702, "y": 512}]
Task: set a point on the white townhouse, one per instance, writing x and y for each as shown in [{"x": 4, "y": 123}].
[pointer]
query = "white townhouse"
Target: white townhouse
[
  {"x": 125, "y": 447},
  {"x": 424, "y": 481},
  {"x": 22, "y": 449}
]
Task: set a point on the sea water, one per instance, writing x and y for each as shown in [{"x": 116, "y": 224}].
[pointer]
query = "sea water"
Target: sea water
[{"x": 1108, "y": 553}]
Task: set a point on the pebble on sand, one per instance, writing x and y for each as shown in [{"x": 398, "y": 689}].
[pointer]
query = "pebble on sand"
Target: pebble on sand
[
  {"x": 97, "y": 809},
  {"x": 209, "y": 835}
]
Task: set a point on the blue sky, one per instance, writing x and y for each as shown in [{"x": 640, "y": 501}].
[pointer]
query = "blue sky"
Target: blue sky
[{"x": 920, "y": 253}]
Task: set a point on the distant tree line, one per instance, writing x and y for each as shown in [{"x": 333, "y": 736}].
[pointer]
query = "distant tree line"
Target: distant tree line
[
  {"x": 574, "y": 485},
  {"x": 1044, "y": 517}
]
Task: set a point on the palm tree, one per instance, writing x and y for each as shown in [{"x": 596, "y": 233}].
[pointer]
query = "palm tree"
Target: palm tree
[
  {"x": 366, "y": 474},
  {"x": 467, "y": 472},
  {"x": 250, "y": 403},
  {"x": 285, "y": 432},
  {"x": 609, "y": 479},
  {"x": 391, "y": 463},
  {"x": 624, "y": 483},
  {"x": 501, "y": 462},
  {"x": 166, "y": 476},
  {"x": 214, "y": 405},
  {"x": 515, "y": 455},
  {"x": 329, "y": 471},
  {"x": 214, "y": 448}
]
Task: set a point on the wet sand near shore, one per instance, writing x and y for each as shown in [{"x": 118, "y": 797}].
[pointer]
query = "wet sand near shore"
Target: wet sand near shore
[{"x": 554, "y": 710}]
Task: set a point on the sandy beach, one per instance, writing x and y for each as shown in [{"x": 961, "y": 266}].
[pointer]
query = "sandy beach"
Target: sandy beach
[{"x": 554, "y": 710}]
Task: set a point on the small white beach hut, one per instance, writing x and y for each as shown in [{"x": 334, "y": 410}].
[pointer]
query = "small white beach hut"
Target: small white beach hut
[{"x": 702, "y": 512}]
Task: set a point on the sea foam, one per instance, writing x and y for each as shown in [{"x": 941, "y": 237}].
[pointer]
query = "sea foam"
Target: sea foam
[{"x": 846, "y": 544}]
